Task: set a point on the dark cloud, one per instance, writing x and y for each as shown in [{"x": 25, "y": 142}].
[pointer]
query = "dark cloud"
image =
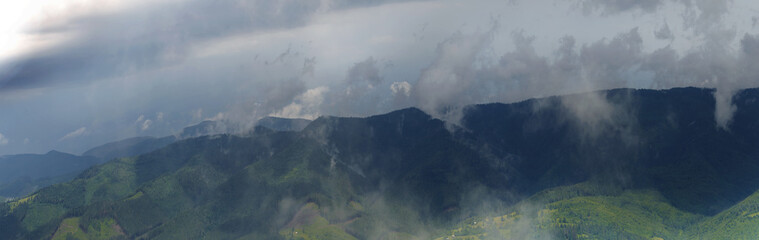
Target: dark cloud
[
  {"x": 616, "y": 6},
  {"x": 283, "y": 92},
  {"x": 698, "y": 11},
  {"x": 108, "y": 45},
  {"x": 275, "y": 96},
  {"x": 282, "y": 57},
  {"x": 664, "y": 33},
  {"x": 365, "y": 72},
  {"x": 346, "y": 4},
  {"x": 359, "y": 94},
  {"x": 703, "y": 17},
  {"x": 143, "y": 38},
  {"x": 309, "y": 66},
  {"x": 605, "y": 64},
  {"x": 705, "y": 13},
  {"x": 454, "y": 80},
  {"x": 207, "y": 53}
]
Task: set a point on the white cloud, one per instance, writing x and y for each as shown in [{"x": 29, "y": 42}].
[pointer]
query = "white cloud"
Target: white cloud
[
  {"x": 442, "y": 88},
  {"x": 146, "y": 124},
  {"x": 76, "y": 133},
  {"x": 3, "y": 140},
  {"x": 159, "y": 116},
  {"x": 140, "y": 119},
  {"x": 217, "y": 117},
  {"x": 401, "y": 87},
  {"x": 196, "y": 114},
  {"x": 305, "y": 105}
]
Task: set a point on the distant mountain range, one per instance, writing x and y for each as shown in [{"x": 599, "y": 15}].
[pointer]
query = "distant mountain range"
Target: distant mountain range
[
  {"x": 139, "y": 145},
  {"x": 617, "y": 164},
  {"x": 23, "y": 174}
]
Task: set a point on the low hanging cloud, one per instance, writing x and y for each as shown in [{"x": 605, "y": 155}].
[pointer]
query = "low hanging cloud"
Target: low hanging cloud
[
  {"x": 196, "y": 114},
  {"x": 3, "y": 140},
  {"x": 401, "y": 88},
  {"x": 143, "y": 123},
  {"x": 357, "y": 94},
  {"x": 146, "y": 124},
  {"x": 305, "y": 105},
  {"x": 76, "y": 133},
  {"x": 454, "y": 80},
  {"x": 441, "y": 89},
  {"x": 713, "y": 66},
  {"x": 287, "y": 97}
]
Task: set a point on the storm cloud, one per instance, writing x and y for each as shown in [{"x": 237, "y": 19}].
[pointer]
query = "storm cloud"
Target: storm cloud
[
  {"x": 239, "y": 61},
  {"x": 143, "y": 37}
]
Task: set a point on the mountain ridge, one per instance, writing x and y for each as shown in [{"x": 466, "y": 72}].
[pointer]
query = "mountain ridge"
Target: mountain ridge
[{"x": 539, "y": 166}]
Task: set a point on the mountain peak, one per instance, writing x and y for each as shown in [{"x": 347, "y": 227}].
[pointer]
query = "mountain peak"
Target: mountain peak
[
  {"x": 408, "y": 112},
  {"x": 283, "y": 124},
  {"x": 57, "y": 153}
]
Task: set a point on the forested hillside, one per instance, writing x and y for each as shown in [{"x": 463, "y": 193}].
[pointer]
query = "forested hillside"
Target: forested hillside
[{"x": 632, "y": 164}]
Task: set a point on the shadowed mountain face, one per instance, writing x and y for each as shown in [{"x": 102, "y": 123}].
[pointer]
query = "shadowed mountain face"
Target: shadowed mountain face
[
  {"x": 283, "y": 124},
  {"x": 645, "y": 138},
  {"x": 650, "y": 154}
]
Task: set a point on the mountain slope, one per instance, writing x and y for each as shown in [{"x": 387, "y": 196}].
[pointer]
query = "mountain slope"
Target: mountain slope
[
  {"x": 664, "y": 139},
  {"x": 738, "y": 222},
  {"x": 583, "y": 211},
  {"x": 629, "y": 164},
  {"x": 54, "y": 167},
  {"x": 283, "y": 124},
  {"x": 128, "y": 147},
  {"x": 216, "y": 183},
  {"x": 139, "y": 145}
]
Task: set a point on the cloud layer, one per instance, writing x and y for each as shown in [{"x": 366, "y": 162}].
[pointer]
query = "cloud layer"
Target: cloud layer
[{"x": 173, "y": 63}]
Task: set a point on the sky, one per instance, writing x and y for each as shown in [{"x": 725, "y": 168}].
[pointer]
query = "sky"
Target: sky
[{"x": 75, "y": 74}]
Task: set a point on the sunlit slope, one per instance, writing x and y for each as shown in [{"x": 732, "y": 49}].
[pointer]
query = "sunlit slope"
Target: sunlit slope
[
  {"x": 583, "y": 211},
  {"x": 738, "y": 222}
]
